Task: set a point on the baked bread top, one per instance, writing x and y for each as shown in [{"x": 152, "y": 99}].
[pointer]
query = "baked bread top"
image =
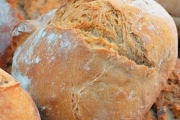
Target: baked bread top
[{"x": 101, "y": 59}]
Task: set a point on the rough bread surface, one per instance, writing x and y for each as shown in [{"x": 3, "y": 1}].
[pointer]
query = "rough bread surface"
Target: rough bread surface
[
  {"x": 98, "y": 59},
  {"x": 167, "y": 106},
  {"x": 15, "y": 103},
  {"x": 32, "y": 9},
  {"x": 169, "y": 96}
]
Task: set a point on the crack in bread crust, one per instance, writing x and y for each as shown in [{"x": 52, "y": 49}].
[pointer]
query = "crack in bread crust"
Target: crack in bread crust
[
  {"x": 74, "y": 103},
  {"x": 103, "y": 26},
  {"x": 99, "y": 56}
]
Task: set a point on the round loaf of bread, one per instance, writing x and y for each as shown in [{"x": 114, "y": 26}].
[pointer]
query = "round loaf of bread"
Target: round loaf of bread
[
  {"x": 97, "y": 59},
  {"x": 15, "y": 103}
]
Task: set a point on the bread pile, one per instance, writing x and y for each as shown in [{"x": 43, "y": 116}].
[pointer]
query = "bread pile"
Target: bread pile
[
  {"x": 173, "y": 7},
  {"x": 15, "y": 103},
  {"x": 100, "y": 59},
  {"x": 93, "y": 59}
]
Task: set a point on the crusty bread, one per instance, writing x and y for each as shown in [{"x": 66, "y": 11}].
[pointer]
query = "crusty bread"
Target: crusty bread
[
  {"x": 173, "y": 7},
  {"x": 167, "y": 105},
  {"x": 170, "y": 95},
  {"x": 8, "y": 19},
  {"x": 32, "y": 9},
  {"x": 26, "y": 27},
  {"x": 15, "y": 103},
  {"x": 98, "y": 59}
]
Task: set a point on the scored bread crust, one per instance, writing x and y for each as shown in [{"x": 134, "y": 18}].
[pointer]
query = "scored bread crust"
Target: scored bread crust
[
  {"x": 106, "y": 62},
  {"x": 15, "y": 103}
]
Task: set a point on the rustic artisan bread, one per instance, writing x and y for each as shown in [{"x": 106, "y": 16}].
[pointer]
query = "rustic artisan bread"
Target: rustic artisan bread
[
  {"x": 173, "y": 7},
  {"x": 167, "y": 105},
  {"x": 169, "y": 97},
  {"x": 26, "y": 27},
  {"x": 8, "y": 19},
  {"x": 100, "y": 59},
  {"x": 32, "y": 9},
  {"x": 15, "y": 103}
]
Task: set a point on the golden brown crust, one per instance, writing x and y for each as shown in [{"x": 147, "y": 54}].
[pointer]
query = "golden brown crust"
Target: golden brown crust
[
  {"x": 166, "y": 107},
  {"x": 173, "y": 7},
  {"x": 15, "y": 103},
  {"x": 32, "y": 9},
  {"x": 169, "y": 97},
  {"x": 107, "y": 62},
  {"x": 26, "y": 27}
]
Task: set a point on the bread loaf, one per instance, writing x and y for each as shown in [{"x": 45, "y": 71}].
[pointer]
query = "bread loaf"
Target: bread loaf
[
  {"x": 173, "y": 7},
  {"x": 15, "y": 103},
  {"x": 26, "y": 27},
  {"x": 32, "y": 9},
  {"x": 166, "y": 106},
  {"x": 8, "y": 19},
  {"x": 97, "y": 59},
  {"x": 169, "y": 97}
]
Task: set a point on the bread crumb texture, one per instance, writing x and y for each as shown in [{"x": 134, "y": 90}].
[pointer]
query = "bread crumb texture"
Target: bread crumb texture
[{"x": 98, "y": 59}]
